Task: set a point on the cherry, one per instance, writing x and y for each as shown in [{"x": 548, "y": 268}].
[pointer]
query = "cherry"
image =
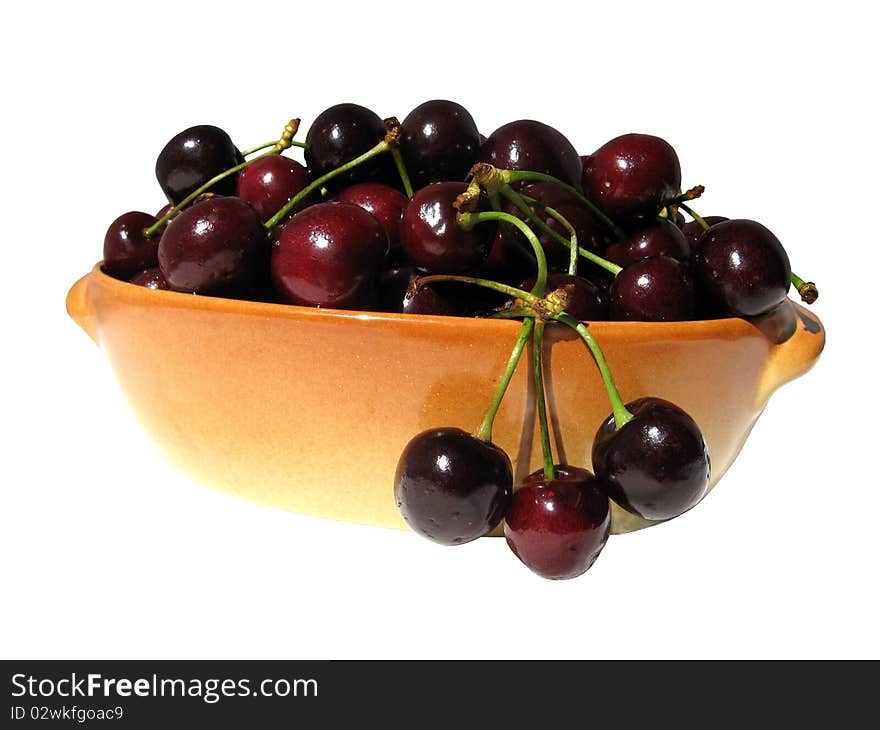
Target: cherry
[
  {"x": 660, "y": 237},
  {"x": 439, "y": 141},
  {"x": 216, "y": 243},
  {"x": 269, "y": 182},
  {"x": 398, "y": 293},
  {"x": 150, "y": 278},
  {"x": 127, "y": 250},
  {"x": 329, "y": 255},
  {"x": 193, "y": 157},
  {"x": 534, "y": 146},
  {"x": 586, "y": 300},
  {"x": 693, "y": 230},
  {"x": 633, "y": 176},
  {"x": 432, "y": 239},
  {"x": 742, "y": 267},
  {"x": 657, "y": 289},
  {"x": 656, "y": 465},
  {"x": 558, "y": 527},
  {"x": 384, "y": 203},
  {"x": 452, "y": 487},
  {"x": 338, "y": 135},
  {"x": 568, "y": 207}
]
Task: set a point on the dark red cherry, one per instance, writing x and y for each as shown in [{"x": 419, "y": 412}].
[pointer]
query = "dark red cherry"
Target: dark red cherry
[
  {"x": 439, "y": 141},
  {"x": 657, "y": 464},
  {"x": 270, "y": 182},
  {"x": 384, "y": 203},
  {"x": 658, "y": 289},
  {"x": 660, "y": 237},
  {"x": 558, "y": 528},
  {"x": 452, "y": 487},
  {"x": 633, "y": 176},
  {"x": 586, "y": 300},
  {"x": 693, "y": 231},
  {"x": 193, "y": 157},
  {"x": 742, "y": 267},
  {"x": 432, "y": 239},
  {"x": 217, "y": 243},
  {"x": 568, "y": 207},
  {"x": 398, "y": 293},
  {"x": 338, "y": 135},
  {"x": 127, "y": 250},
  {"x": 150, "y": 278},
  {"x": 530, "y": 145},
  {"x": 330, "y": 255}
]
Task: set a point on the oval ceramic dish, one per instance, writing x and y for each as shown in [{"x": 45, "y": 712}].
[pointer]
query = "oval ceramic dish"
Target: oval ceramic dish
[{"x": 308, "y": 410}]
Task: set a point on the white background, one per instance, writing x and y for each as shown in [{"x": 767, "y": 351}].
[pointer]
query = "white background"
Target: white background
[{"x": 106, "y": 552}]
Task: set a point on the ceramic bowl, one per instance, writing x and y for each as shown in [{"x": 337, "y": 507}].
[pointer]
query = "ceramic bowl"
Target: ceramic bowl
[{"x": 308, "y": 410}]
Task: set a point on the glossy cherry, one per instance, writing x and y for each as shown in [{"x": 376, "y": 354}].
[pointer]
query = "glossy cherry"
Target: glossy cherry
[
  {"x": 633, "y": 176},
  {"x": 452, "y": 487},
  {"x": 656, "y": 289},
  {"x": 657, "y": 464},
  {"x": 217, "y": 243},
  {"x": 432, "y": 239},
  {"x": 127, "y": 250},
  {"x": 439, "y": 141},
  {"x": 660, "y": 237},
  {"x": 384, "y": 203},
  {"x": 558, "y": 528},
  {"x": 742, "y": 267},
  {"x": 150, "y": 278},
  {"x": 529, "y": 145},
  {"x": 693, "y": 231},
  {"x": 330, "y": 255},
  {"x": 398, "y": 293},
  {"x": 338, "y": 135},
  {"x": 270, "y": 182},
  {"x": 193, "y": 157}
]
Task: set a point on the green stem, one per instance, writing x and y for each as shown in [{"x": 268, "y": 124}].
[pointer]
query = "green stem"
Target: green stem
[
  {"x": 469, "y": 220},
  {"x": 693, "y": 214},
  {"x": 538, "y": 364},
  {"x": 485, "y": 283},
  {"x": 484, "y": 433},
  {"x": 621, "y": 414},
  {"x": 259, "y": 147},
  {"x": 573, "y": 239},
  {"x": 204, "y": 188},
  {"x": 401, "y": 170},
  {"x": 807, "y": 289},
  {"x": 379, "y": 149},
  {"x": 523, "y": 202},
  {"x": 512, "y": 176}
]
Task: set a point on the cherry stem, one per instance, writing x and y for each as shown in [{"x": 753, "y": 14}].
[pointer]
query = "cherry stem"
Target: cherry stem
[
  {"x": 692, "y": 194},
  {"x": 621, "y": 414},
  {"x": 401, "y": 170},
  {"x": 513, "y": 176},
  {"x": 278, "y": 146},
  {"x": 469, "y": 220},
  {"x": 523, "y": 202},
  {"x": 485, "y": 283},
  {"x": 538, "y": 364},
  {"x": 693, "y": 214},
  {"x": 807, "y": 289},
  {"x": 259, "y": 147},
  {"x": 379, "y": 149},
  {"x": 484, "y": 433}
]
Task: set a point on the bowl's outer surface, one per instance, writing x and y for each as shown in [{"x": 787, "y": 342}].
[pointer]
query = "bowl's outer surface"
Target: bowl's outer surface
[{"x": 308, "y": 410}]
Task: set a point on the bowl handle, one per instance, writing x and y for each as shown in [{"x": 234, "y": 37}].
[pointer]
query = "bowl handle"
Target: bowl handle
[
  {"x": 81, "y": 307},
  {"x": 795, "y": 356}
]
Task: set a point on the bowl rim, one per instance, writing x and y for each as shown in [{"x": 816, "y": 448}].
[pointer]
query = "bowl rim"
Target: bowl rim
[{"x": 724, "y": 328}]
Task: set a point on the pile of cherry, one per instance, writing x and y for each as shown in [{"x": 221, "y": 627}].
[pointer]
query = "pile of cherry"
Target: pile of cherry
[{"x": 426, "y": 216}]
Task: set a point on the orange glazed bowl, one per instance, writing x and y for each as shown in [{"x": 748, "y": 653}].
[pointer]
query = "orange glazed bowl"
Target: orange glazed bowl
[{"x": 309, "y": 409}]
